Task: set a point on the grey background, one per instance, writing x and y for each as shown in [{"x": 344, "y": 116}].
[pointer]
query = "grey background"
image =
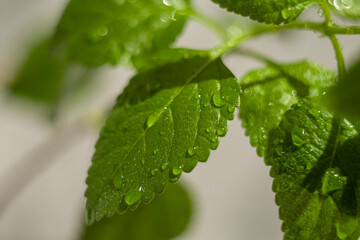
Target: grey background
[{"x": 232, "y": 190}]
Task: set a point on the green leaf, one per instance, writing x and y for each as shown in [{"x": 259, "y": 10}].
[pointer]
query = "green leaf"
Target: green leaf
[
  {"x": 96, "y": 32},
  {"x": 315, "y": 165},
  {"x": 345, "y": 98},
  {"x": 40, "y": 77},
  {"x": 268, "y": 93},
  {"x": 347, "y": 8},
  {"x": 164, "y": 122},
  {"x": 267, "y": 11},
  {"x": 165, "y": 218},
  {"x": 47, "y": 80}
]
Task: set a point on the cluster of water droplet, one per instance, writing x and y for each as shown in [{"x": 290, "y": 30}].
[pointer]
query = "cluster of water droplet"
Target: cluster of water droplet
[{"x": 341, "y": 4}]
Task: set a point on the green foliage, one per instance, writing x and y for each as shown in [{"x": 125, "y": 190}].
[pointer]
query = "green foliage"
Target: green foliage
[
  {"x": 268, "y": 11},
  {"x": 165, "y": 218},
  {"x": 346, "y": 92},
  {"x": 111, "y": 31},
  {"x": 177, "y": 106},
  {"x": 268, "y": 93},
  {"x": 315, "y": 166},
  {"x": 164, "y": 122},
  {"x": 41, "y": 76}
]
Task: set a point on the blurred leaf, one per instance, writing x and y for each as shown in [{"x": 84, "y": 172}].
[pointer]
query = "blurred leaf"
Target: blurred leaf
[
  {"x": 164, "y": 218},
  {"x": 47, "y": 80},
  {"x": 96, "y": 32},
  {"x": 345, "y": 97},
  {"x": 41, "y": 76}
]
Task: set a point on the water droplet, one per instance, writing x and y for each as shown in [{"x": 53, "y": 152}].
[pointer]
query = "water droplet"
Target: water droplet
[
  {"x": 177, "y": 170},
  {"x": 319, "y": 34},
  {"x": 168, "y": 2},
  {"x": 118, "y": 179},
  {"x": 163, "y": 167},
  {"x": 208, "y": 130},
  {"x": 231, "y": 109},
  {"x": 191, "y": 151},
  {"x": 153, "y": 118},
  {"x": 133, "y": 196},
  {"x": 314, "y": 113},
  {"x": 206, "y": 105},
  {"x": 218, "y": 100},
  {"x": 221, "y": 132},
  {"x": 286, "y": 13},
  {"x": 279, "y": 151},
  {"x": 154, "y": 171},
  {"x": 162, "y": 133},
  {"x": 156, "y": 151},
  {"x": 297, "y": 137},
  {"x": 143, "y": 161},
  {"x": 98, "y": 34},
  {"x": 214, "y": 139},
  {"x": 321, "y": 12}
]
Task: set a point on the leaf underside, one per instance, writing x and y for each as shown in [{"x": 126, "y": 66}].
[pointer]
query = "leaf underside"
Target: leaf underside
[
  {"x": 114, "y": 31},
  {"x": 164, "y": 122},
  {"x": 165, "y": 218},
  {"x": 267, "y": 11}
]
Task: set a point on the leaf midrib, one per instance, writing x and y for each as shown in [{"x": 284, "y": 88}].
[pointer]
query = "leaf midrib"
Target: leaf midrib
[{"x": 191, "y": 78}]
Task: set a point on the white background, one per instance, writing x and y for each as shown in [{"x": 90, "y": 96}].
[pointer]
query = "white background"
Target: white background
[{"x": 232, "y": 190}]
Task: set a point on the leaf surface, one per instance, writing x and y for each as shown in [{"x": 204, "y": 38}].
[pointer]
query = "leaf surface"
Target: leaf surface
[
  {"x": 268, "y": 93},
  {"x": 165, "y": 122},
  {"x": 111, "y": 31},
  {"x": 165, "y": 218},
  {"x": 267, "y": 11},
  {"x": 315, "y": 166}
]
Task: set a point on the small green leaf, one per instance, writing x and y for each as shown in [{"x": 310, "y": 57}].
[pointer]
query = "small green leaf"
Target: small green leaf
[
  {"x": 111, "y": 31},
  {"x": 165, "y": 218},
  {"x": 317, "y": 183},
  {"x": 268, "y": 93},
  {"x": 267, "y": 11},
  {"x": 164, "y": 122}
]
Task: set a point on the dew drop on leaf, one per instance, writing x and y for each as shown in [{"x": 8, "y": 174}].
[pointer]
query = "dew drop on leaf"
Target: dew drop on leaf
[
  {"x": 286, "y": 13},
  {"x": 118, "y": 179},
  {"x": 231, "y": 109},
  {"x": 297, "y": 137},
  {"x": 191, "y": 151},
  {"x": 177, "y": 170},
  {"x": 156, "y": 151},
  {"x": 133, "y": 196},
  {"x": 163, "y": 167},
  {"x": 208, "y": 130},
  {"x": 221, "y": 132},
  {"x": 218, "y": 100}
]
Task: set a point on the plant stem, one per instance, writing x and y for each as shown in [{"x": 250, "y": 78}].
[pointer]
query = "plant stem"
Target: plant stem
[
  {"x": 339, "y": 56},
  {"x": 211, "y": 24},
  {"x": 327, "y": 14},
  {"x": 328, "y": 24},
  {"x": 317, "y": 27}
]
